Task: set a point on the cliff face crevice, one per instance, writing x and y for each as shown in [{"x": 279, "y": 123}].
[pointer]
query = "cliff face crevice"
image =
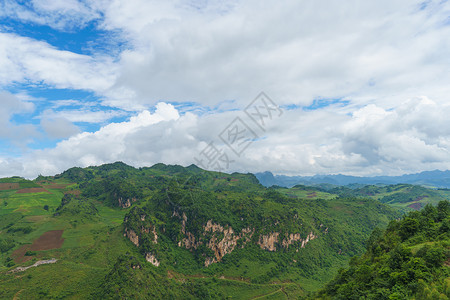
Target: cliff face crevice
[
  {"x": 188, "y": 241},
  {"x": 132, "y": 236},
  {"x": 295, "y": 237},
  {"x": 228, "y": 243},
  {"x": 268, "y": 241},
  {"x": 135, "y": 230},
  {"x": 125, "y": 202}
]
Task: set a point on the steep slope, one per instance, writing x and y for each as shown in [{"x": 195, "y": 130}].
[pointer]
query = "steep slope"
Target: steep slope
[{"x": 410, "y": 260}]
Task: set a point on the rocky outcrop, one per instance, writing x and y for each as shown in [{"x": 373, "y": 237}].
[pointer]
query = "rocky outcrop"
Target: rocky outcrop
[
  {"x": 152, "y": 259},
  {"x": 151, "y": 229},
  {"x": 132, "y": 236},
  {"x": 268, "y": 241},
  {"x": 125, "y": 203},
  {"x": 291, "y": 238},
  {"x": 188, "y": 241},
  {"x": 227, "y": 243},
  {"x": 309, "y": 237}
]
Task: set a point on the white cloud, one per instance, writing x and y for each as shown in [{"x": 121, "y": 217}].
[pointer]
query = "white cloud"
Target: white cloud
[
  {"x": 59, "y": 14},
  {"x": 375, "y": 55},
  {"x": 24, "y": 60},
  {"x": 18, "y": 134},
  {"x": 82, "y": 115},
  {"x": 59, "y": 128},
  {"x": 369, "y": 141},
  {"x": 384, "y": 51}
]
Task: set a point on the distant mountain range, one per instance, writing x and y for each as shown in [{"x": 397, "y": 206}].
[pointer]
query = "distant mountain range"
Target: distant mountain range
[{"x": 438, "y": 179}]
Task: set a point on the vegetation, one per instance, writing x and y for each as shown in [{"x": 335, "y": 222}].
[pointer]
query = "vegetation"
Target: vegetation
[
  {"x": 115, "y": 220},
  {"x": 409, "y": 260}
]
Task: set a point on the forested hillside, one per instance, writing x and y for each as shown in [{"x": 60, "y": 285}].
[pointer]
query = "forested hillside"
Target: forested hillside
[{"x": 409, "y": 260}]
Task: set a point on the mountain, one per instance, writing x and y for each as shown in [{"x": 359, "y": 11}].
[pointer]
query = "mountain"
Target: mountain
[
  {"x": 438, "y": 179},
  {"x": 115, "y": 231},
  {"x": 409, "y": 260}
]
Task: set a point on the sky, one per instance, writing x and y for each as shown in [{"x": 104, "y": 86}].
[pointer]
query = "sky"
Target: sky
[{"x": 290, "y": 86}]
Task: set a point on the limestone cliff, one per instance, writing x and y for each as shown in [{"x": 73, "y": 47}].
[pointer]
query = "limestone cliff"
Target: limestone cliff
[
  {"x": 227, "y": 243},
  {"x": 151, "y": 258}
]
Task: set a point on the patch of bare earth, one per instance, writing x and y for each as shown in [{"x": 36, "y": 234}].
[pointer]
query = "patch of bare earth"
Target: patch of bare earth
[
  {"x": 47, "y": 241},
  {"x": 32, "y": 190},
  {"x": 4, "y": 186},
  {"x": 416, "y": 205}
]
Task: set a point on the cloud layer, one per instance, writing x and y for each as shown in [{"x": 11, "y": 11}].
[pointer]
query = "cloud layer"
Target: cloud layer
[{"x": 379, "y": 69}]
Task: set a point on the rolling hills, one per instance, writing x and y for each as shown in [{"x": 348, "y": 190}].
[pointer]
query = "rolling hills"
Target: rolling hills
[{"x": 117, "y": 231}]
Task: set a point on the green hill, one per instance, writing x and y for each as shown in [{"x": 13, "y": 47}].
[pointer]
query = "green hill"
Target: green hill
[
  {"x": 409, "y": 260},
  {"x": 174, "y": 232}
]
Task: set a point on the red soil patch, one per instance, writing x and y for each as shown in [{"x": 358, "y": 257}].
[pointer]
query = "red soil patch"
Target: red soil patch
[
  {"x": 32, "y": 190},
  {"x": 234, "y": 179},
  {"x": 47, "y": 241},
  {"x": 416, "y": 206},
  {"x": 8, "y": 186}
]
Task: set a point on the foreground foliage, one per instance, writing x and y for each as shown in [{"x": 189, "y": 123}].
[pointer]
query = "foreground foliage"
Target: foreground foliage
[{"x": 409, "y": 260}]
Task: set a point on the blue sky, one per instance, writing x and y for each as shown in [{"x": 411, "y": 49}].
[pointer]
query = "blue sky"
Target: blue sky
[{"x": 363, "y": 86}]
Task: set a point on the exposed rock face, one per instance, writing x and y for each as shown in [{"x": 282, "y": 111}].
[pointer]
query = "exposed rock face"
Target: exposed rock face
[
  {"x": 293, "y": 237},
  {"x": 268, "y": 241},
  {"x": 189, "y": 239},
  {"x": 152, "y": 259},
  {"x": 151, "y": 229},
  {"x": 227, "y": 243},
  {"x": 222, "y": 239},
  {"x": 125, "y": 203},
  {"x": 309, "y": 237},
  {"x": 132, "y": 236}
]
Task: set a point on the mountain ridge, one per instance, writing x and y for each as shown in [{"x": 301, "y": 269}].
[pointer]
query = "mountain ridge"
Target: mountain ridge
[{"x": 435, "y": 178}]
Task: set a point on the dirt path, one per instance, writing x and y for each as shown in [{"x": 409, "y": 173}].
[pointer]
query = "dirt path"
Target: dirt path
[
  {"x": 272, "y": 293},
  {"x": 38, "y": 263},
  {"x": 17, "y": 295}
]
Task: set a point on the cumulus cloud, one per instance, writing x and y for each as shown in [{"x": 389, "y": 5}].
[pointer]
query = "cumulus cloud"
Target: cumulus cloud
[
  {"x": 59, "y": 128},
  {"x": 372, "y": 56},
  {"x": 296, "y": 51},
  {"x": 18, "y": 134},
  {"x": 24, "y": 60},
  {"x": 59, "y": 14},
  {"x": 369, "y": 141}
]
